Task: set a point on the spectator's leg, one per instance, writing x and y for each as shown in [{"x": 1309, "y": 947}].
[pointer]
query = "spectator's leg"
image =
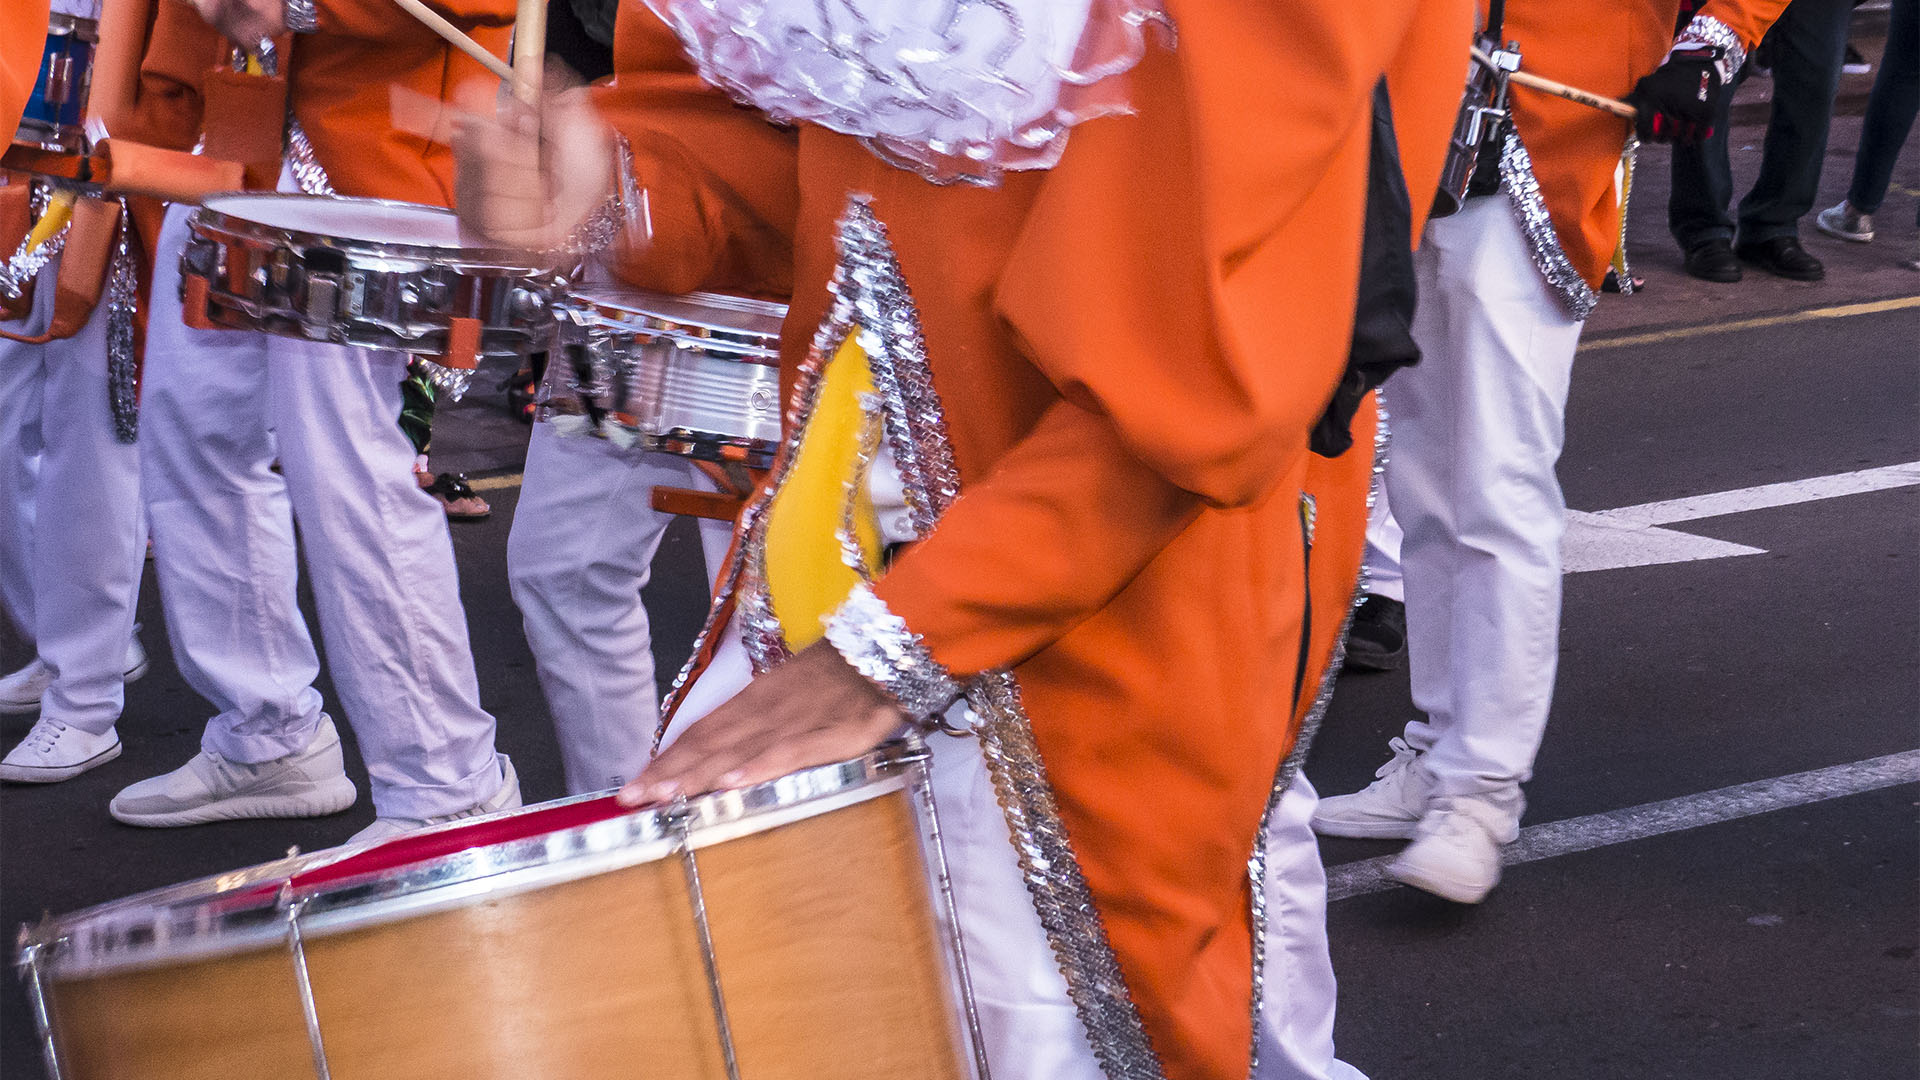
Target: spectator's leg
[
  {"x": 1702, "y": 185},
  {"x": 1810, "y": 41},
  {"x": 1890, "y": 111}
]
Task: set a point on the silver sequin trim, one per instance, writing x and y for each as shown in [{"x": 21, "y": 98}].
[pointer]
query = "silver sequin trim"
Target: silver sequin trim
[
  {"x": 604, "y": 226},
  {"x": 1523, "y": 190},
  {"x": 449, "y": 382},
  {"x": 308, "y": 174},
  {"x": 726, "y": 586},
  {"x": 1056, "y": 883},
  {"x": 877, "y": 643},
  {"x": 1711, "y": 32},
  {"x": 1629, "y": 160},
  {"x": 301, "y": 17},
  {"x": 1309, "y": 727},
  {"x": 24, "y": 265},
  {"x": 123, "y": 366},
  {"x": 871, "y": 293}
]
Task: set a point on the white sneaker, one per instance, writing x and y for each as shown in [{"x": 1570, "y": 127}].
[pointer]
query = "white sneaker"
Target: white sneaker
[
  {"x": 1845, "y": 223},
  {"x": 1456, "y": 852},
  {"x": 21, "y": 691},
  {"x": 311, "y": 783},
  {"x": 507, "y": 798},
  {"x": 54, "y": 751},
  {"x": 1390, "y": 808}
]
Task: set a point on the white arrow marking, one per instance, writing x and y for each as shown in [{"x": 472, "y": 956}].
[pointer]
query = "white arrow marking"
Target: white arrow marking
[{"x": 1631, "y": 536}]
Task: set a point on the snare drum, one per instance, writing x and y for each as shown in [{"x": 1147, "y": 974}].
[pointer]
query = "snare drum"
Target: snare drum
[
  {"x": 364, "y": 272},
  {"x": 788, "y": 931},
  {"x": 55, "y": 116},
  {"x": 696, "y": 375}
]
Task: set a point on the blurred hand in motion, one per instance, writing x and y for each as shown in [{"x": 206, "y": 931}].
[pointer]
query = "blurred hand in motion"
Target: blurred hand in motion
[
  {"x": 245, "y": 20},
  {"x": 812, "y": 710},
  {"x": 1676, "y": 103},
  {"x": 528, "y": 179}
]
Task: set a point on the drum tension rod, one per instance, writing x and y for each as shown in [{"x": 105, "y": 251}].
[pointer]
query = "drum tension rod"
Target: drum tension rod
[
  {"x": 677, "y": 818},
  {"x": 916, "y": 756},
  {"x": 32, "y": 951},
  {"x": 297, "y": 948}
]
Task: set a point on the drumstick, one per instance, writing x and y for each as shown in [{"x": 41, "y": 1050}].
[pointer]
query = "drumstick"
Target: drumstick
[
  {"x": 432, "y": 20},
  {"x": 529, "y": 50},
  {"x": 1562, "y": 90}
]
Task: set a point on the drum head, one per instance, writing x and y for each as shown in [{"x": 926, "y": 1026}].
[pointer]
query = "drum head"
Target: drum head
[
  {"x": 367, "y": 221},
  {"x": 351, "y": 887}
]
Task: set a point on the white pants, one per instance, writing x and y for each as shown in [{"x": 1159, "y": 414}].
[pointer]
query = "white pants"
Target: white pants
[
  {"x": 219, "y": 406},
  {"x": 1027, "y": 1021},
  {"x": 584, "y": 536},
  {"x": 72, "y": 536},
  {"x": 1477, "y": 427},
  {"x": 1384, "y": 577}
]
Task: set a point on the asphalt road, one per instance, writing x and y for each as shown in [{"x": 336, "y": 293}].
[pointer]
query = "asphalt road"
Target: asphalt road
[{"x": 1778, "y": 945}]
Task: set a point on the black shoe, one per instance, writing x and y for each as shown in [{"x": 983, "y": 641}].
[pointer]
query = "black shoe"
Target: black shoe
[
  {"x": 1713, "y": 260},
  {"x": 1377, "y": 640},
  {"x": 1784, "y": 256}
]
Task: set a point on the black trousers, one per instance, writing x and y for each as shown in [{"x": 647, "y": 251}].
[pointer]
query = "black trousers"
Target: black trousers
[
  {"x": 1890, "y": 111},
  {"x": 1806, "y": 46}
]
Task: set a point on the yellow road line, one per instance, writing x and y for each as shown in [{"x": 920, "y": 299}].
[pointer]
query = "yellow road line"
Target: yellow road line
[
  {"x": 495, "y": 483},
  {"x": 1681, "y": 332}
]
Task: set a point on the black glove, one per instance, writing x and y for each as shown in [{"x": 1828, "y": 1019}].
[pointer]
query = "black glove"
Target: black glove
[{"x": 1678, "y": 101}]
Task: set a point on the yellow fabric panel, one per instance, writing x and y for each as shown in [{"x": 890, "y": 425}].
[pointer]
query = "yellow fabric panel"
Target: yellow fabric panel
[{"x": 807, "y": 573}]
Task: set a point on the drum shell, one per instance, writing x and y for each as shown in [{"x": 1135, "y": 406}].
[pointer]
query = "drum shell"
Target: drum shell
[
  {"x": 701, "y": 392},
  {"x": 587, "y": 978},
  {"x": 366, "y": 294},
  {"x": 55, "y": 114}
]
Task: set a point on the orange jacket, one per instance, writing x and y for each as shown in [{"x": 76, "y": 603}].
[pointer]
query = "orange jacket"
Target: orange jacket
[
  {"x": 1130, "y": 350},
  {"x": 340, "y": 79},
  {"x": 179, "y": 50},
  {"x": 1605, "y": 47},
  {"x": 23, "y": 39}
]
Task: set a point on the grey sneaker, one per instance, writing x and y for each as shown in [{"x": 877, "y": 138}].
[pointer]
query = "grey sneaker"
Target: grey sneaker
[
  {"x": 506, "y": 798},
  {"x": 1845, "y": 223},
  {"x": 311, "y": 783}
]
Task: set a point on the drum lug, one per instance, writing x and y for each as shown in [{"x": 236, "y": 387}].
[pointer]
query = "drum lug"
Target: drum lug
[
  {"x": 323, "y": 304},
  {"x": 527, "y": 305}
]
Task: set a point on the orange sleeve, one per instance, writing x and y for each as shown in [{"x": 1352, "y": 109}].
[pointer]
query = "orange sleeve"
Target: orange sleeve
[
  {"x": 1191, "y": 378},
  {"x": 181, "y": 50},
  {"x": 23, "y": 38},
  {"x": 1747, "y": 18},
  {"x": 374, "y": 20},
  {"x": 721, "y": 181}
]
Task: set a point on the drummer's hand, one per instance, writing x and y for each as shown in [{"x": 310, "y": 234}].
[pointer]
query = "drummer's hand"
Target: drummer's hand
[
  {"x": 245, "y": 20},
  {"x": 528, "y": 180},
  {"x": 811, "y": 710}
]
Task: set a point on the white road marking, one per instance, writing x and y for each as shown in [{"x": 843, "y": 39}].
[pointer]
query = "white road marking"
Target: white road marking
[
  {"x": 1555, "y": 838},
  {"x": 1721, "y": 503},
  {"x": 1597, "y": 542},
  {"x": 1631, "y": 536}
]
